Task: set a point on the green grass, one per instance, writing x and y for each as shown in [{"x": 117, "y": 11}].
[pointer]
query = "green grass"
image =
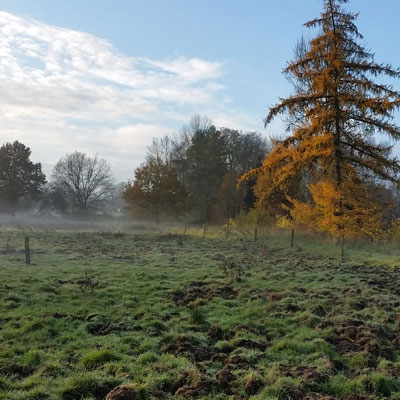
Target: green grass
[{"x": 169, "y": 312}]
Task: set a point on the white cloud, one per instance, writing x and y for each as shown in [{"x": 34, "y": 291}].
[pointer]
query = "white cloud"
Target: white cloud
[
  {"x": 60, "y": 70},
  {"x": 192, "y": 70},
  {"x": 64, "y": 90}
]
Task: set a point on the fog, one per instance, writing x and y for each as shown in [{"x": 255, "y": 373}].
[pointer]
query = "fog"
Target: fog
[{"x": 98, "y": 222}]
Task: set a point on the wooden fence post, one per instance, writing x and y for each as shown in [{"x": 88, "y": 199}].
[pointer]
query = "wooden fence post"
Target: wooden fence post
[
  {"x": 292, "y": 238},
  {"x": 342, "y": 246},
  {"x": 27, "y": 251},
  {"x": 255, "y": 232}
]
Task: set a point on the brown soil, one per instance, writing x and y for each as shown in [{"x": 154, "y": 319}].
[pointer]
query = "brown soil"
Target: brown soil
[
  {"x": 250, "y": 344},
  {"x": 293, "y": 393},
  {"x": 357, "y": 336},
  {"x": 318, "y": 396},
  {"x": 225, "y": 379},
  {"x": 356, "y": 396},
  {"x": 182, "y": 344},
  {"x": 236, "y": 361},
  {"x": 198, "y": 290},
  {"x": 215, "y": 332},
  {"x": 194, "y": 390},
  {"x": 122, "y": 392},
  {"x": 187, "y": 344},
  {"x": 308, "y": 374},
  {"x": 253, "y": 385}
]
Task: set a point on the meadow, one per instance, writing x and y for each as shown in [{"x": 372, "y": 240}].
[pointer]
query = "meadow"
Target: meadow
[{"x": 186, "y": 316}]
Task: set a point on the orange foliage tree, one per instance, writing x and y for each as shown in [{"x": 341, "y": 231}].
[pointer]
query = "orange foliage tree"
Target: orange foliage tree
[
  {"x": 334, "y": 117},
  {"x": 156, "y": 191}
]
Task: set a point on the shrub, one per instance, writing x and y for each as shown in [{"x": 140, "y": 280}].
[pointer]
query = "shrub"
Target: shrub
[{"x": 196, "y": 311}]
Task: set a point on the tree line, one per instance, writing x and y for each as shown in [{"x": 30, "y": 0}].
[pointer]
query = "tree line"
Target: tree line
[
  {"x": 78, "y": 183},
  {"x": 334, "y": 171},
  {"x": 194, "y": 174},
  {"x": 191, "y": 175}
]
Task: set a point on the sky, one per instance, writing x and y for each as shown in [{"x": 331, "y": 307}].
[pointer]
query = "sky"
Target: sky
[{"x": 105, "y": 77}]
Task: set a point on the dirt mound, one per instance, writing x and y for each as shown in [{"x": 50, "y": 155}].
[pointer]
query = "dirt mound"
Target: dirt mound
[
  {"x": 318, "y": 396},
  {"x": 219, "y": 357},
  {"x": 236, "y": 361},
  {"x": 293, "y": 393},
  {"x": 357, "y": 336},
  {"x": 200, "y": 388},
  {"x": 225, "y": 379},
  {"x": 308, "y": 374},
  {"x": 198, "y": 290},
  {"x": 123, "y": 392},
  {"x": 188, "y": 344},
  {"x": 99, "y": 325},
  {"x": 182, "y": 344},
  {"x": 215, "y": 332},
  {"x": 203, "y": 354},
  {"x": 253, "y": 385},
  {"x": 250, "y": 344}
]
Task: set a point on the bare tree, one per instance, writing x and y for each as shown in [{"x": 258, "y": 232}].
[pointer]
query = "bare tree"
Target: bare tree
[
  {"x": 160, "y": 149},
  {"x": 198, "y": 123},
  {"x": 83, "y": 180}
]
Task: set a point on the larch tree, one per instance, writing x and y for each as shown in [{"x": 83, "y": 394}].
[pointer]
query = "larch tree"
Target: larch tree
[{"x": 336, "y": 116}]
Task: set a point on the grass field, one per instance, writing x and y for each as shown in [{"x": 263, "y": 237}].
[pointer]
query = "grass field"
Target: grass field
[{"x": 197, "y": 317}]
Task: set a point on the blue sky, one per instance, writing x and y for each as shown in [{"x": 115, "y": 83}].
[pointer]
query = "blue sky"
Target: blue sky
[{"x": 104, "y": 76}]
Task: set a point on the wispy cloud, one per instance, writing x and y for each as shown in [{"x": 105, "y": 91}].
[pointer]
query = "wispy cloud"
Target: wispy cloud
[{"x": 62, "y": 90}]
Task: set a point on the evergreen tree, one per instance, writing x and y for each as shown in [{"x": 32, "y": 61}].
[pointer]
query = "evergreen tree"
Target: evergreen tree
[
  {"x": 205, "y": 168},
  {"x": 21, "y": 180},
  {"x": 335, "y": 115}
]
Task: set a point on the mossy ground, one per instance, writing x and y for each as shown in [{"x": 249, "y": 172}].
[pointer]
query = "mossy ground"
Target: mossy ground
[{"x": 197, "y": 317}]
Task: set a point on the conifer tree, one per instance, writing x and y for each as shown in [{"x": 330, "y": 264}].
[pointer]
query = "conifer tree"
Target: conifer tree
[
  {"x": 21, "y": 180},
  {"x": 336, "y": 115}
]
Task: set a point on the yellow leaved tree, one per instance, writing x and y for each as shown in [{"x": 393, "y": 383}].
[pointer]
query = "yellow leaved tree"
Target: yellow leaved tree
[{"x": 335, "y": 117}]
